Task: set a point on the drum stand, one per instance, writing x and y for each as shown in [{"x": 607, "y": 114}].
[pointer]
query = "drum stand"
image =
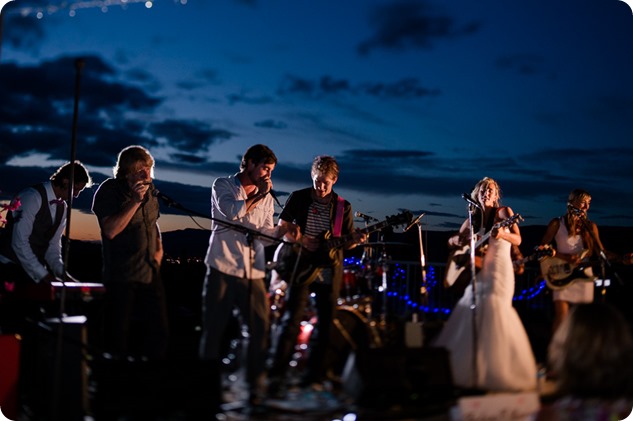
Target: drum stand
[
  {"x": 383, "y": 286},
  {"x": 423, "y": 287}
]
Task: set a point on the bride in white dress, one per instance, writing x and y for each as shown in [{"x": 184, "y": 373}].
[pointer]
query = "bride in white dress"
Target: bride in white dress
[{"x": 505, "y": 361}]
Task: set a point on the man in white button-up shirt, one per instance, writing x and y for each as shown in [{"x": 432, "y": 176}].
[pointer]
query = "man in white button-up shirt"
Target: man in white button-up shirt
[{"x": 236, "y": 264}]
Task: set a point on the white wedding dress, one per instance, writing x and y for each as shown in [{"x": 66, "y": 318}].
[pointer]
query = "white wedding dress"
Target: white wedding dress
[{"x": 505, "y": 361}]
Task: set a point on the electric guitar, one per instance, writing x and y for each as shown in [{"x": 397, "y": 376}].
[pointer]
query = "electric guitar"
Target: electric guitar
[
  {"x": 458, "y": 266},
  {"x": 297, "y": 265},
  {"x": 559, "y": 273},
  {"x": 540, "y": 252}
]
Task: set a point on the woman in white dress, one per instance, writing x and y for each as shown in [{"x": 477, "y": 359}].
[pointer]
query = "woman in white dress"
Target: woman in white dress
[
  {"x": 577, "y": 240},
  {"x": 502, "y": 351}
]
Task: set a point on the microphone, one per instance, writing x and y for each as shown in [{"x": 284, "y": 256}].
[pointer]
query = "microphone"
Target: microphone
[
  {"x": 415, "y": 221},
  {"x": 274, "y": 195},
  {"x": 470, "y": 200},
  {"x": 168, "y": 200},
  {"x": 365, "y": 217},
  {"x": 578, "y": 212}
]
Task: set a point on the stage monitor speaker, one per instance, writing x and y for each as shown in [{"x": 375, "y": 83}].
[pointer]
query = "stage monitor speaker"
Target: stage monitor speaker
[
  {"x": 142, "y": 389},
  {"x": 381, "y": 377},
  {"x": 9, "y": 375}
]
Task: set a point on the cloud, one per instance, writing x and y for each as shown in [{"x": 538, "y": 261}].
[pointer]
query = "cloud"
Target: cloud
[
  {"x": 407, "y": 24},
  {"x": 526, "y": 64},
  {"x": 364, "y": 155},
  {"x": 189, "y": 135},
  {"x": 26, "y": 32},
  {"x": 271, "y": 124},
  {"x": 144, "y": 78},
  {"x": 37, "y": 102},
  {"x": 406, "y": 88},
  {"x": 542, "y": 173},
  {"x": 201, "y": 78},
  {"x": 253, "y": 100}
]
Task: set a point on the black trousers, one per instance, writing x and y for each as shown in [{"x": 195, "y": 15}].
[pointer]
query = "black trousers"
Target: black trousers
[
  {"x": 297, "y": 302},
  {"x": 135, "y": 319}
]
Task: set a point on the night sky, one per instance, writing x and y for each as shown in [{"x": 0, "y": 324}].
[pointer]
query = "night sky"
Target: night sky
[{"x": 416, "y": 99}]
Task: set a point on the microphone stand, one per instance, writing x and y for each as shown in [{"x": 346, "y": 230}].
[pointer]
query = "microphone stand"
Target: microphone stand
[
  {"x": 367, "y": 256},
  {"x": 423, "y": 287},
  {"x": 473, "y": 282},
  {"x": 59, "y": 349},
  {"x": 250, "y": 236},
  {"x": 604, "y": 262},
  {"x": 236, "y": 227}
]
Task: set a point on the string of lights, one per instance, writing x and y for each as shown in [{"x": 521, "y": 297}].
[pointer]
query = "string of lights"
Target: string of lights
[
  {"x": 399, "y": 291},
  {"x": 71, "y": 7}
]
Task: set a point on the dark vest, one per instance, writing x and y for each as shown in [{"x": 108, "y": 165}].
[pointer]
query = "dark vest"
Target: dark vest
[{"x": 44, "y": 229}]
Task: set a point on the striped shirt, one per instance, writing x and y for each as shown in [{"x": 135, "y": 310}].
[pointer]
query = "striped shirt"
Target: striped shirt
[{"x": 318, "y": 223}]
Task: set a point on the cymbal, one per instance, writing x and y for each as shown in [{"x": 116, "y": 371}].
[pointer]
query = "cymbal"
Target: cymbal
[{"x": 383, "y": 244}]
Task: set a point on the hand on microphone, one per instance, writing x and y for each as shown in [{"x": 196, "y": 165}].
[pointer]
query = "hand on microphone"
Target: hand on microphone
[
  {"x": 139, "y": 190},
  {"x": 578, "y": 212},
  {"x": 264, "y": 186}
]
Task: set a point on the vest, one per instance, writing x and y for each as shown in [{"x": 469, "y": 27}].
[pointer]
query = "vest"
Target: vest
[{"x": 44, "y": 229}]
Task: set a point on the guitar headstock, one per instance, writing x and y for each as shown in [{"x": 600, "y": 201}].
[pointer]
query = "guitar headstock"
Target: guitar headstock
[
  {"x": 514, "y": 219},
  {"x": 403, "y": 218},
  {"x": 543, "y": 251}
]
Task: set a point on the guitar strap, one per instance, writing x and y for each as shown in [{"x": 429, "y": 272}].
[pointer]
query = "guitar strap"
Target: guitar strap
[
  {"x": 338, "y": 220},
  {"x": 492, "y": 220}
]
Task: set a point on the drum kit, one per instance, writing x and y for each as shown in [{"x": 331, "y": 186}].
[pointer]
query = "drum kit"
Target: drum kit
[
  {"x": 361, "y": 318},
  {"x": 365, "y": 304},
  {"x": 366, "y": 283}
]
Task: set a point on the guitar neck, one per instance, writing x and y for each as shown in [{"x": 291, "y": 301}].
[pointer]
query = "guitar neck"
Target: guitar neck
[
  {"x": 483, "y": 239},
  {"x": 505, "y": 223},
  {"x": 337, "y": 242},
  {"x": 519, "y": 262}
]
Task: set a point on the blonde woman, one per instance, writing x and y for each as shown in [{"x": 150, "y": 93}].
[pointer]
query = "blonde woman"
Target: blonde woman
[{"x": 501, "y": 357}]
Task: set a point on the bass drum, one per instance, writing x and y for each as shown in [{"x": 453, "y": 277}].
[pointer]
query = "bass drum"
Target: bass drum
[{"x": 352, "y": 331}]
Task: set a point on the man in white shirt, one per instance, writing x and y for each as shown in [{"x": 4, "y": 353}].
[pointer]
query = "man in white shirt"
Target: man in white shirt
[{"x": 236, "y": 264}]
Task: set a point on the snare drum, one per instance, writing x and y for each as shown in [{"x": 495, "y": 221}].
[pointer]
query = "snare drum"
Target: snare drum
[
  {"x": 349, "y": 288},
  {"x": 356, "y": 285}
]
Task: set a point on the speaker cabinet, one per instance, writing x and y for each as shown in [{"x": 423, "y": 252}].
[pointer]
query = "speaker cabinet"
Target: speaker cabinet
[
  {"x": 54, "y": 373},
  {"x": 381, "y": 377}
]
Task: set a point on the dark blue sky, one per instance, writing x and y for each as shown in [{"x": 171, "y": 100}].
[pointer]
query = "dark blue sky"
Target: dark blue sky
[{"x": 417, "y": 99}]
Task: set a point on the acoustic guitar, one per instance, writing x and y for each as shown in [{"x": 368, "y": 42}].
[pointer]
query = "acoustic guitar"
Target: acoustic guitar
[{"x": 458, "y": 266}]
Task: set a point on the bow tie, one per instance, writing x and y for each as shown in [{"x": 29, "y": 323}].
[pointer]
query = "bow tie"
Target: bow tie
[{"x": 56, "y": 202}]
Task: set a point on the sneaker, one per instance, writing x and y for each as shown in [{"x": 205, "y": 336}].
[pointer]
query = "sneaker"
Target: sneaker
[
  {"x": 316, "y": 387},
  {"x": 275, "y": 388},
  {"x": 256, "y": 405}
]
